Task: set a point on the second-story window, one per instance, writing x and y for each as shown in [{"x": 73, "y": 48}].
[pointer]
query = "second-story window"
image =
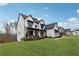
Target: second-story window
[
  {"x": 42, "y": 25},
  {"x": 30, "y": 23},
  {"x": 35, "y": 26}
]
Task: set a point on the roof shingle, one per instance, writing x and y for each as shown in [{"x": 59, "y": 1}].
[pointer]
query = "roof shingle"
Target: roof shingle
[{"x": 50, "y": 26}]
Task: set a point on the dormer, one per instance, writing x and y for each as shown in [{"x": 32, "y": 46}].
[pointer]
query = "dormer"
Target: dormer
[
  {"x": 42, "y": 24},
  {"x": 30, "y": 23}
]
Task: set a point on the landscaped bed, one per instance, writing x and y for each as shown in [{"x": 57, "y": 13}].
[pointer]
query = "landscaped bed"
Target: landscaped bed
[{"x": 66, "y": 45}]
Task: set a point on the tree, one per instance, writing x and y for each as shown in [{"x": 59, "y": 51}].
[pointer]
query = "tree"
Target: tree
[
  {"x": 7, "y": 28},
  {"x": 12, "y": 27},
  {"x": 7, "y": 32},
  {"x": 15, "y": 26}
]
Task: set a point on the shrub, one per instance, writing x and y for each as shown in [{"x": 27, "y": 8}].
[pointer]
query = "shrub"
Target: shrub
[{"x": 24, "y": 39}]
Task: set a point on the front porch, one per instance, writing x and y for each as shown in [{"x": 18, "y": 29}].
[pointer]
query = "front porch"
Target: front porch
[{"x": 35, "y": 33}]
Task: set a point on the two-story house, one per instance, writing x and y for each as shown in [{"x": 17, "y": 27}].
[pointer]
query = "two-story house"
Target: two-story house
[{"x": 29, "y": 27}]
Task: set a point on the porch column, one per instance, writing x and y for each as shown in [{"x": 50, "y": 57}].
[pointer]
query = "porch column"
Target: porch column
[
  {"x": 39, "y": 33},
  {"x": 34, "y": 33}
]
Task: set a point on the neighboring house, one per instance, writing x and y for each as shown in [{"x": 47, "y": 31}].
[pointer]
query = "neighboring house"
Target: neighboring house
[
  {"x": 29, "y": 27},
  {"x": 68, "y": 32},
  {"x": 61, "y": 31},
  {"x": 52, "y": 30},
  {"x": 75, "y": 32}
]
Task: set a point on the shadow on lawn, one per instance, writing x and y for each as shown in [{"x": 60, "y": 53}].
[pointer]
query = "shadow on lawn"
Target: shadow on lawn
[{"x": 34, "y": 39}]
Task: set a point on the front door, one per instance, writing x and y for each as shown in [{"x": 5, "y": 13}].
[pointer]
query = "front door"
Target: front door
[
  {"x": 42, "y": 34},
  {"x": 31, "y": 34},
  {"x": 36, "y": 33}
]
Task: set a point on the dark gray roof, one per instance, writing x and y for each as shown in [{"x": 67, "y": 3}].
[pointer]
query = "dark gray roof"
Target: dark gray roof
[
  {"x": 76, "y": 30},
  {"x": 35, "y": 20},
  {"x": 42, "y": 20},
  {"x": 67, "y": 30},
  {"x": 50, "y": 26},
  {"x": 24, "y": 16},
  {"x": 60, "y": 28}
]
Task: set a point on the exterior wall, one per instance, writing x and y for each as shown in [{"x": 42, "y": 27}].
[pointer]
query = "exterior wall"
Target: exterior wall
[
  {"x": 56, "y": 34},
  {"x": 39, "y": 26},
  {"x": 61, "y": 30},
  {"x": 26, "y": 23},
  {"x": 50, "y": 33},
  {"x": 39, "y": 33},
  {"x": 56, "y": 27},
  {"x": 75, "y": 33},
  {"x": 34, "y": 32},
  {"x": 41, "y": 22},
  {"x": 44, "y": 33},
  {"x": 68, "y": 33},
  {"x": 20, "y": 29},
  {"x": 36, "y": 24}
]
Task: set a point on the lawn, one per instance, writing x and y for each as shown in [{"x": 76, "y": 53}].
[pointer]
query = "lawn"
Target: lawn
[{"x": 64, "y": 46}]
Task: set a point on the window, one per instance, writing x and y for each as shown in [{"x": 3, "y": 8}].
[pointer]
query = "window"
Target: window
[
  {"x": 56, "y": 31},
  {"x": 42, "y": 25},
  {"x": 35, "y": 26},
  {"x": 30, "y": 23}
]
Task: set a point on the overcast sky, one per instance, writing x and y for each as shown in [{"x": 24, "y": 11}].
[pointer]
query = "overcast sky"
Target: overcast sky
[{"x": 66, "y": 15}]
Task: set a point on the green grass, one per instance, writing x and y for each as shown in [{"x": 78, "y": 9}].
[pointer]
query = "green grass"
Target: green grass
[{"x": 65, "y": 46}]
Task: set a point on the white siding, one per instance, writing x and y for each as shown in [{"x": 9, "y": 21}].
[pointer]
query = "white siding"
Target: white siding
[
  {"x": 50, "y": 33},
  {"x": 35, "y": 24},
  {"x": 26, "y": 23},
  {"x": 56, "y": 34},
  {"x": 20, "y": 29},
  {"x": 41, "y": 22},
  {"x": 39, "y": 33},
  {"x": 56, "y": 27},
  {"x": 39, "y": 26},
  {"x": 75, "y": 33}
]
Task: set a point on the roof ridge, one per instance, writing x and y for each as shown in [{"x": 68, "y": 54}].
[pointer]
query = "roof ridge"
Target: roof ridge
[
  {"x": 52, "y": 23},
  {"x": 23, "y": 15}
]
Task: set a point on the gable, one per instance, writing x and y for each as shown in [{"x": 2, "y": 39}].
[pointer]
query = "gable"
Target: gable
[
  {"x": 41, "y": 22},
  {"x": 56, "y": 27},
  {"x": 26, "y": 18},
  {"x": 29, "y": 18},
  {"x": 20, "y": 18}
]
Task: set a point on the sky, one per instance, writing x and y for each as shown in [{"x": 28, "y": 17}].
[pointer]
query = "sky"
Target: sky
[{"x": 66, "y": 15}]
